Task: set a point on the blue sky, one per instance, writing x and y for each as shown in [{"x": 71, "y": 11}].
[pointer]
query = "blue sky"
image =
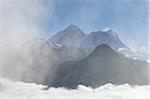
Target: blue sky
[{"x": 129, "y": 18}]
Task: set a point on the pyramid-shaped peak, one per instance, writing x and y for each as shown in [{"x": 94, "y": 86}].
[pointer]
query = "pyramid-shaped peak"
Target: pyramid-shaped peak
[
  {"x": 103, "y": 49},
  {"x": 103, "y": 46},
  {"x": 73, "y": 27}
]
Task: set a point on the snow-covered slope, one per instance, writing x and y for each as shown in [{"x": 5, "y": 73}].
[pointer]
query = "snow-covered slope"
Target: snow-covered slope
[
  {"x": 20, "y": 90},
  {"x": 108, "y": 37},
  {"x": 70, "y": 38}
]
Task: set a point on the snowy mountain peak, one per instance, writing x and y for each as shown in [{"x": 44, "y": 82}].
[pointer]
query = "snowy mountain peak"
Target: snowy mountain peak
[
  {"x": 103, "y": 48},
  {"x": 108, "y": 33},
  {"x": 71, "y": 36},
  {"x": 73, "y": 28},
  {"x": 105, "y": 29},
  {"x": 112, "y": 32},
  {"x": 75, "y": 40},
  {"x": 73, "y": 25}
]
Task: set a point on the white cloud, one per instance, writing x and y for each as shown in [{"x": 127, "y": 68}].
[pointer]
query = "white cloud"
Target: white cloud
[
  {"x": 20, "y": 90},
  {"x": 143, "y": 49}
]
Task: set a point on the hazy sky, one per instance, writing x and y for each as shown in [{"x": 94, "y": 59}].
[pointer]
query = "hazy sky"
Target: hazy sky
[{"x": 127, "y": 17}]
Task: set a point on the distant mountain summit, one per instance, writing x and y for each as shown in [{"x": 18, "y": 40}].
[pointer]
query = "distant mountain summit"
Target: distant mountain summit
[
  {"x": 77, "y": 44},
  {"x": 108, "y": 37},
  {"x": 71, "y": 36},
  {"x": 102, "y": 66}
]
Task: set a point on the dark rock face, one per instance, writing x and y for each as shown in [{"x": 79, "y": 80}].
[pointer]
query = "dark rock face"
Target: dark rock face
[{"x": 102, "y": 66}]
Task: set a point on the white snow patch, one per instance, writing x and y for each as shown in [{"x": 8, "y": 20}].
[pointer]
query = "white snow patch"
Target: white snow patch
[
  {"x": 122, "y": 49},
  {"x": 134, "y": 58},
  {"x": 58, "y": 45},
  {"x": 148, "y": 61},
  {"x": 105, "y": 29}
]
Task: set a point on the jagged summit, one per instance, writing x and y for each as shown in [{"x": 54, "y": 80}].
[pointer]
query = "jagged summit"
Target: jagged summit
[
  {"x": 112, "y": 32},
  {"x": 73, "y": 28},
  {"x": 107, "y": 31},
  {"x": 71, "y": 33},
  {"x": 70, "y": 38},
  {"x": 109, "y": 37}
]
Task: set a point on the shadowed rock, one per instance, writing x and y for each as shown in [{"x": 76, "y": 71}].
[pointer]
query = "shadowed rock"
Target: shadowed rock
[{"x": 102, "y": 66}]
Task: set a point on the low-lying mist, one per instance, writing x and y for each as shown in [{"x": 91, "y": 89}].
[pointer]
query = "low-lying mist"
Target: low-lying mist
[
  {"x": 31, "y": 61},
  {"x": 23, "y": 54}
]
